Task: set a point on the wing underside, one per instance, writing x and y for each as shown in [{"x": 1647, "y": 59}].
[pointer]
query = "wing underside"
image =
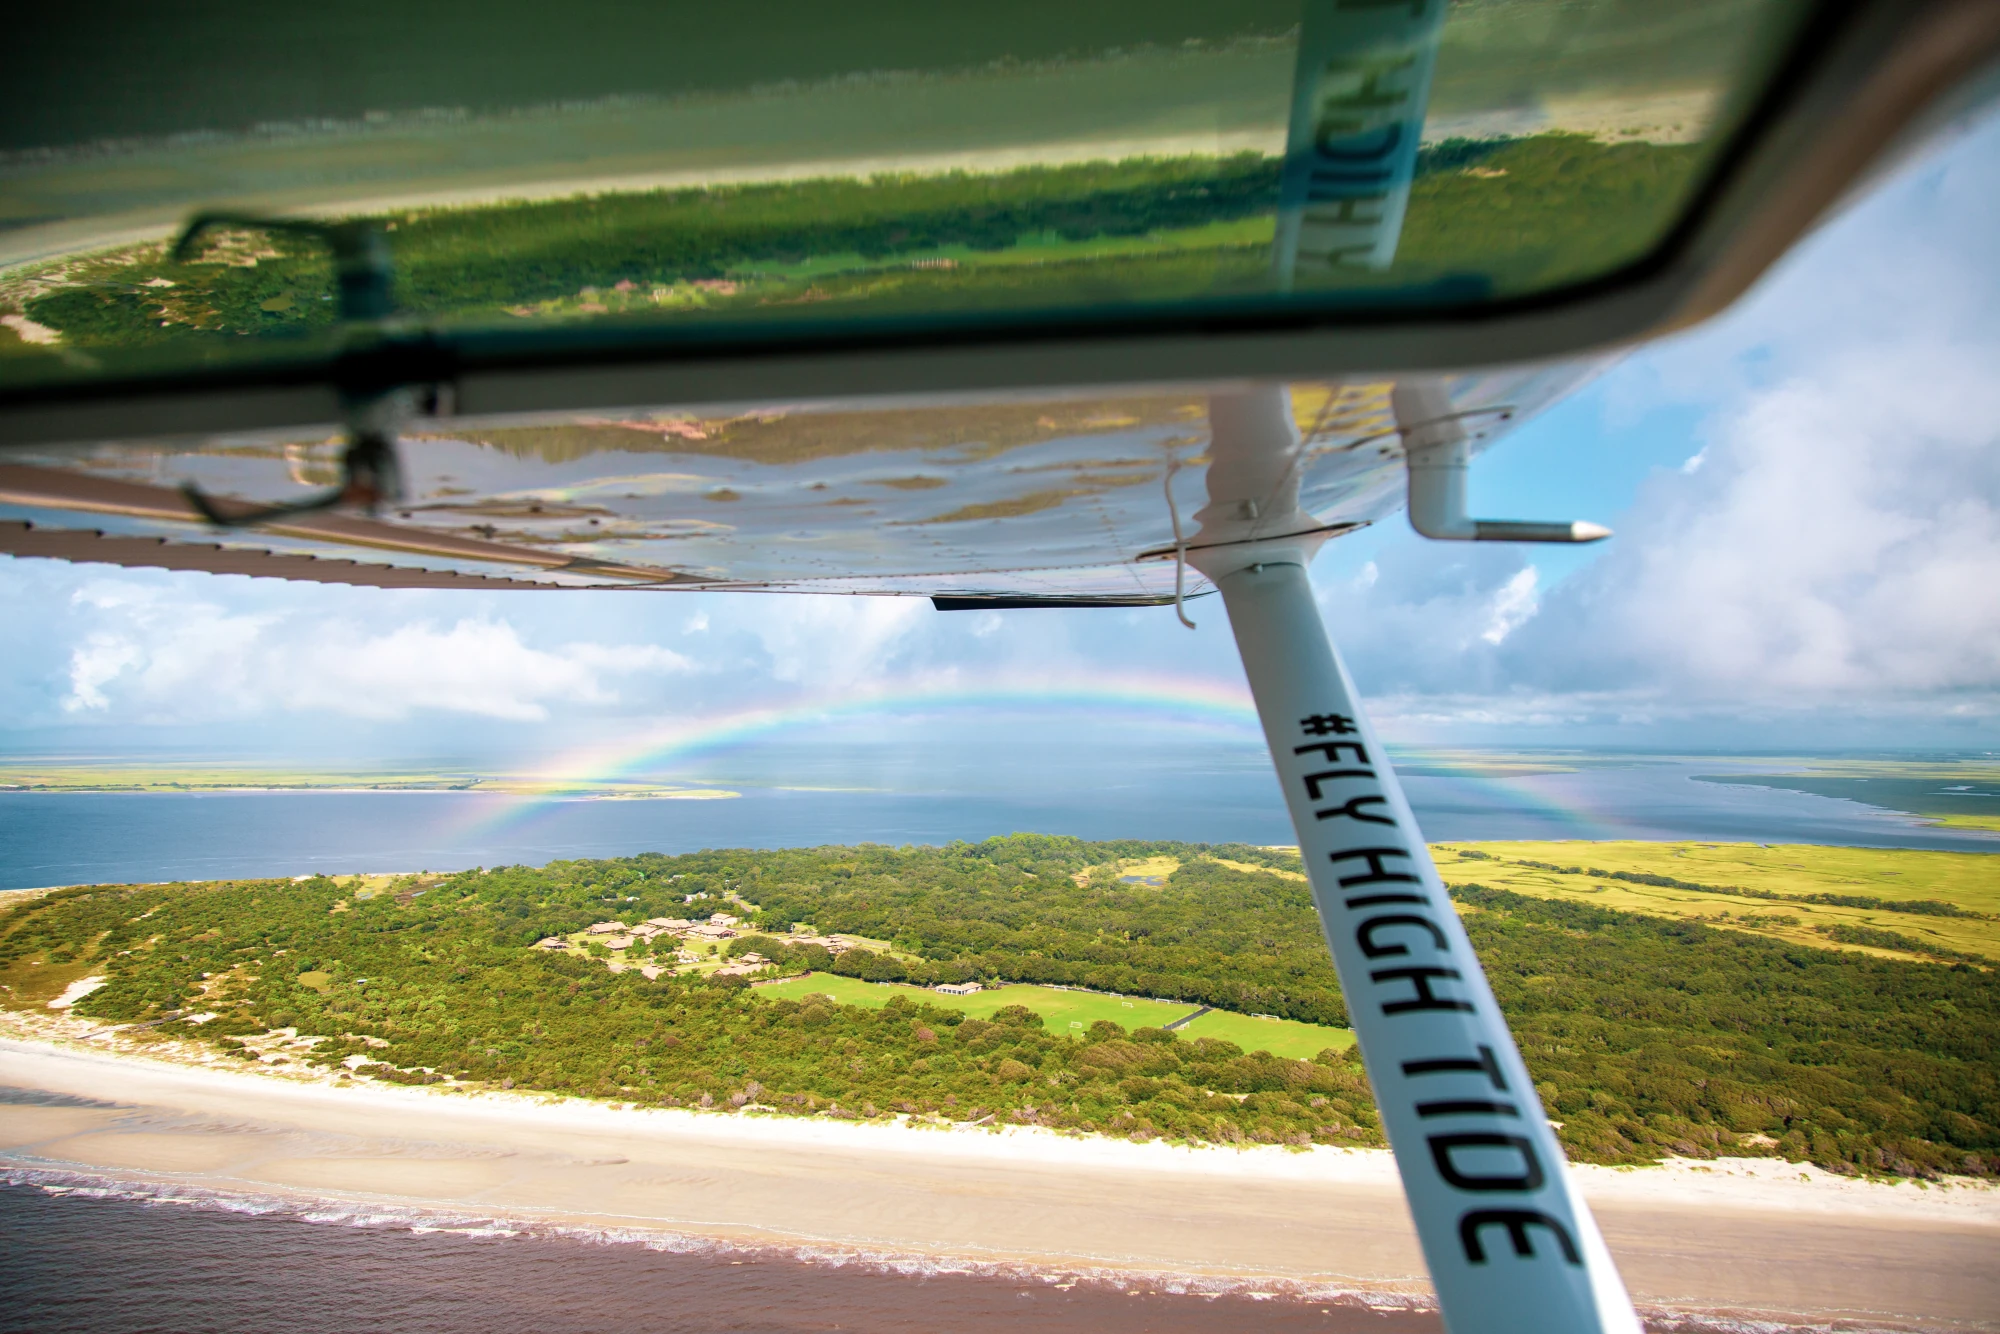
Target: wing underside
[{"x": 1057, "y": 499}]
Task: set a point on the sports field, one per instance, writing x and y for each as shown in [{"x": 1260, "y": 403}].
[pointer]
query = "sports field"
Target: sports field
[{"x": 1065, "y": 1011}]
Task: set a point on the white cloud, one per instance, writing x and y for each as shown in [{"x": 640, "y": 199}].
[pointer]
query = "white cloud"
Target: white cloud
[
  {"x": 1843, "y": 542},
  {"x": 475, "y": 667},
  {"x": 1838, "y": 553},
  {"x": 828, "y": 643},
  {"x": 97, "y": 661},
  {"x": 154, "y": 654},
  {"x": 1832, "y": 549},
  {"x": 1515, "y": 603},
  {"x": 1423, "y": 618}
]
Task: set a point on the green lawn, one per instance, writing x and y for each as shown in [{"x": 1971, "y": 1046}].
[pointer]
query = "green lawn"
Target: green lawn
[
  {"x": 1067, "y": 1011},
  {"x": 1280, "y": 1037}
]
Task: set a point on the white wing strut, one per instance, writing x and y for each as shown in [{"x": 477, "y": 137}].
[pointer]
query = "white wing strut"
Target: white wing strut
[{"x": 1512, "y": 1249}]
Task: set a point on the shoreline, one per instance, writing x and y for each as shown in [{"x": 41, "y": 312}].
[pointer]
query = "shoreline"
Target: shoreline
[
  {"x": 1755, "y": 1183},
  {"x": 1324, "y": 1223}
]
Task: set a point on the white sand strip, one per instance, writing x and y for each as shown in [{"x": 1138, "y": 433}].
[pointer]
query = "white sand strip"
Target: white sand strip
[{"x": 1741, "y": 1236}]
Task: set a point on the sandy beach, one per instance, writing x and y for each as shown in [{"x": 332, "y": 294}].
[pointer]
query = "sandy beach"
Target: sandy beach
[{"x": 1746, "y": 1237}]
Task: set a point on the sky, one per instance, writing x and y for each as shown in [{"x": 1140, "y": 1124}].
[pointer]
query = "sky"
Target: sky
[{"x": 1806, "y": 495}]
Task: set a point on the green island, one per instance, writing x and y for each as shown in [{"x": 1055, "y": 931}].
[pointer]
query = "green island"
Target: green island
[
  {"x": 125, "y": 775},
  {"x": 1663, "y": 1002},
  {"x": 1502, "y": 215}
]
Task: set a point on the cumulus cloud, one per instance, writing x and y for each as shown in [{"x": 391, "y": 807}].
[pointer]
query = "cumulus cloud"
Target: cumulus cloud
[
  {"x": 829, "y": 643},
  {"x": 1842, "y": 539},
  {"x": 1425, "y": 618},
  {"x": 156, "y": 654},
  {"x": 1831, "y": 541}
]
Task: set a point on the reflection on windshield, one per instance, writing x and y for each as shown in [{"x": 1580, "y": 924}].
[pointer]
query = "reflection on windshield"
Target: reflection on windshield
[{"x": 1559, "y": 141}]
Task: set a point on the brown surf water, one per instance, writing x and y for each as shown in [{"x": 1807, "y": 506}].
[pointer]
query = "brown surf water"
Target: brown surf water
[{"x": 103, "y": 1258}]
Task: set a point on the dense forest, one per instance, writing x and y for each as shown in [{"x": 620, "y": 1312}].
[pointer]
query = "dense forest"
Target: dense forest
[
  {"x": 1647, "y": 1037},
  {"x": 1500, "y": 214}
]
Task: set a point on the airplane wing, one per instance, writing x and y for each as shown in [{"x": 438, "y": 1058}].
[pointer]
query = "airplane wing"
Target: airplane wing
[
  {"x": 933, "y": 315},
  {"x": 1035, "y": 305},
  {"x": 1063, "y": 497}
]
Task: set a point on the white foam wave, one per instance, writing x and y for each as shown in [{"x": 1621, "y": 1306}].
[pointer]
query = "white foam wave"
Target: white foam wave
[{"x": 499, "y": 1229}]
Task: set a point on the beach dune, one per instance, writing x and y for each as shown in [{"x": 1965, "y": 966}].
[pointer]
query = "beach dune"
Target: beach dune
[{"x": 1744, "y": 1238}]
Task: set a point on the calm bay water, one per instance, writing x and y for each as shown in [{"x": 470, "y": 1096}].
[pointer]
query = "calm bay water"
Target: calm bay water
[{"x": 1221, "y": 796}]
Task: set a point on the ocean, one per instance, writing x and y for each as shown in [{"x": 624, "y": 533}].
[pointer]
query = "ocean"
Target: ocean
[
  {"x": 1215, "y": 795},
  {"x": 95, "y": 1260}
]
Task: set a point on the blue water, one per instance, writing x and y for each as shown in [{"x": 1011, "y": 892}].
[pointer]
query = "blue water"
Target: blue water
[{"x": 1223, "y": 794}]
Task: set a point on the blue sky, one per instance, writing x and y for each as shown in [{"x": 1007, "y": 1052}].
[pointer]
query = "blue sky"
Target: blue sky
[{"x": 1806, "y": 493}]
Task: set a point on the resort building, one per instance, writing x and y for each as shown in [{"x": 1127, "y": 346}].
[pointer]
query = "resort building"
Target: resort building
[
  {"x": 552, "y": 943},
  {"x": 827, "y": 943},
  {"x": 606, "y": 928}
]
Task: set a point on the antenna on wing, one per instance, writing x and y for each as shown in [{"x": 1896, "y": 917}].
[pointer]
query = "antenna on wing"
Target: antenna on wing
[
  {"x": 1437, "y": 455},
  {"x": 370, "y": 470}
]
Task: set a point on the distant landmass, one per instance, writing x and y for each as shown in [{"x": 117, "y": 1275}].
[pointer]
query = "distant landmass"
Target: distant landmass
[{"x": 1960, "y": 797}]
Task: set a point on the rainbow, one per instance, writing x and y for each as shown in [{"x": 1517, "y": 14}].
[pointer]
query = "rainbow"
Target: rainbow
[
  {"x": 1574, "y": 815},
  {"x": 1182, "y": 702}
]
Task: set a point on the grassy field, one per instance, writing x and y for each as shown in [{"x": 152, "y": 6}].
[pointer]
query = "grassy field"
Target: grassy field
[
  {"x": 1280, "y": 1037},
  {"x": 1149, "y": 871},
  {"x": 1866, "y": 899},
  {"x": 1063, "y": 1011}
]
